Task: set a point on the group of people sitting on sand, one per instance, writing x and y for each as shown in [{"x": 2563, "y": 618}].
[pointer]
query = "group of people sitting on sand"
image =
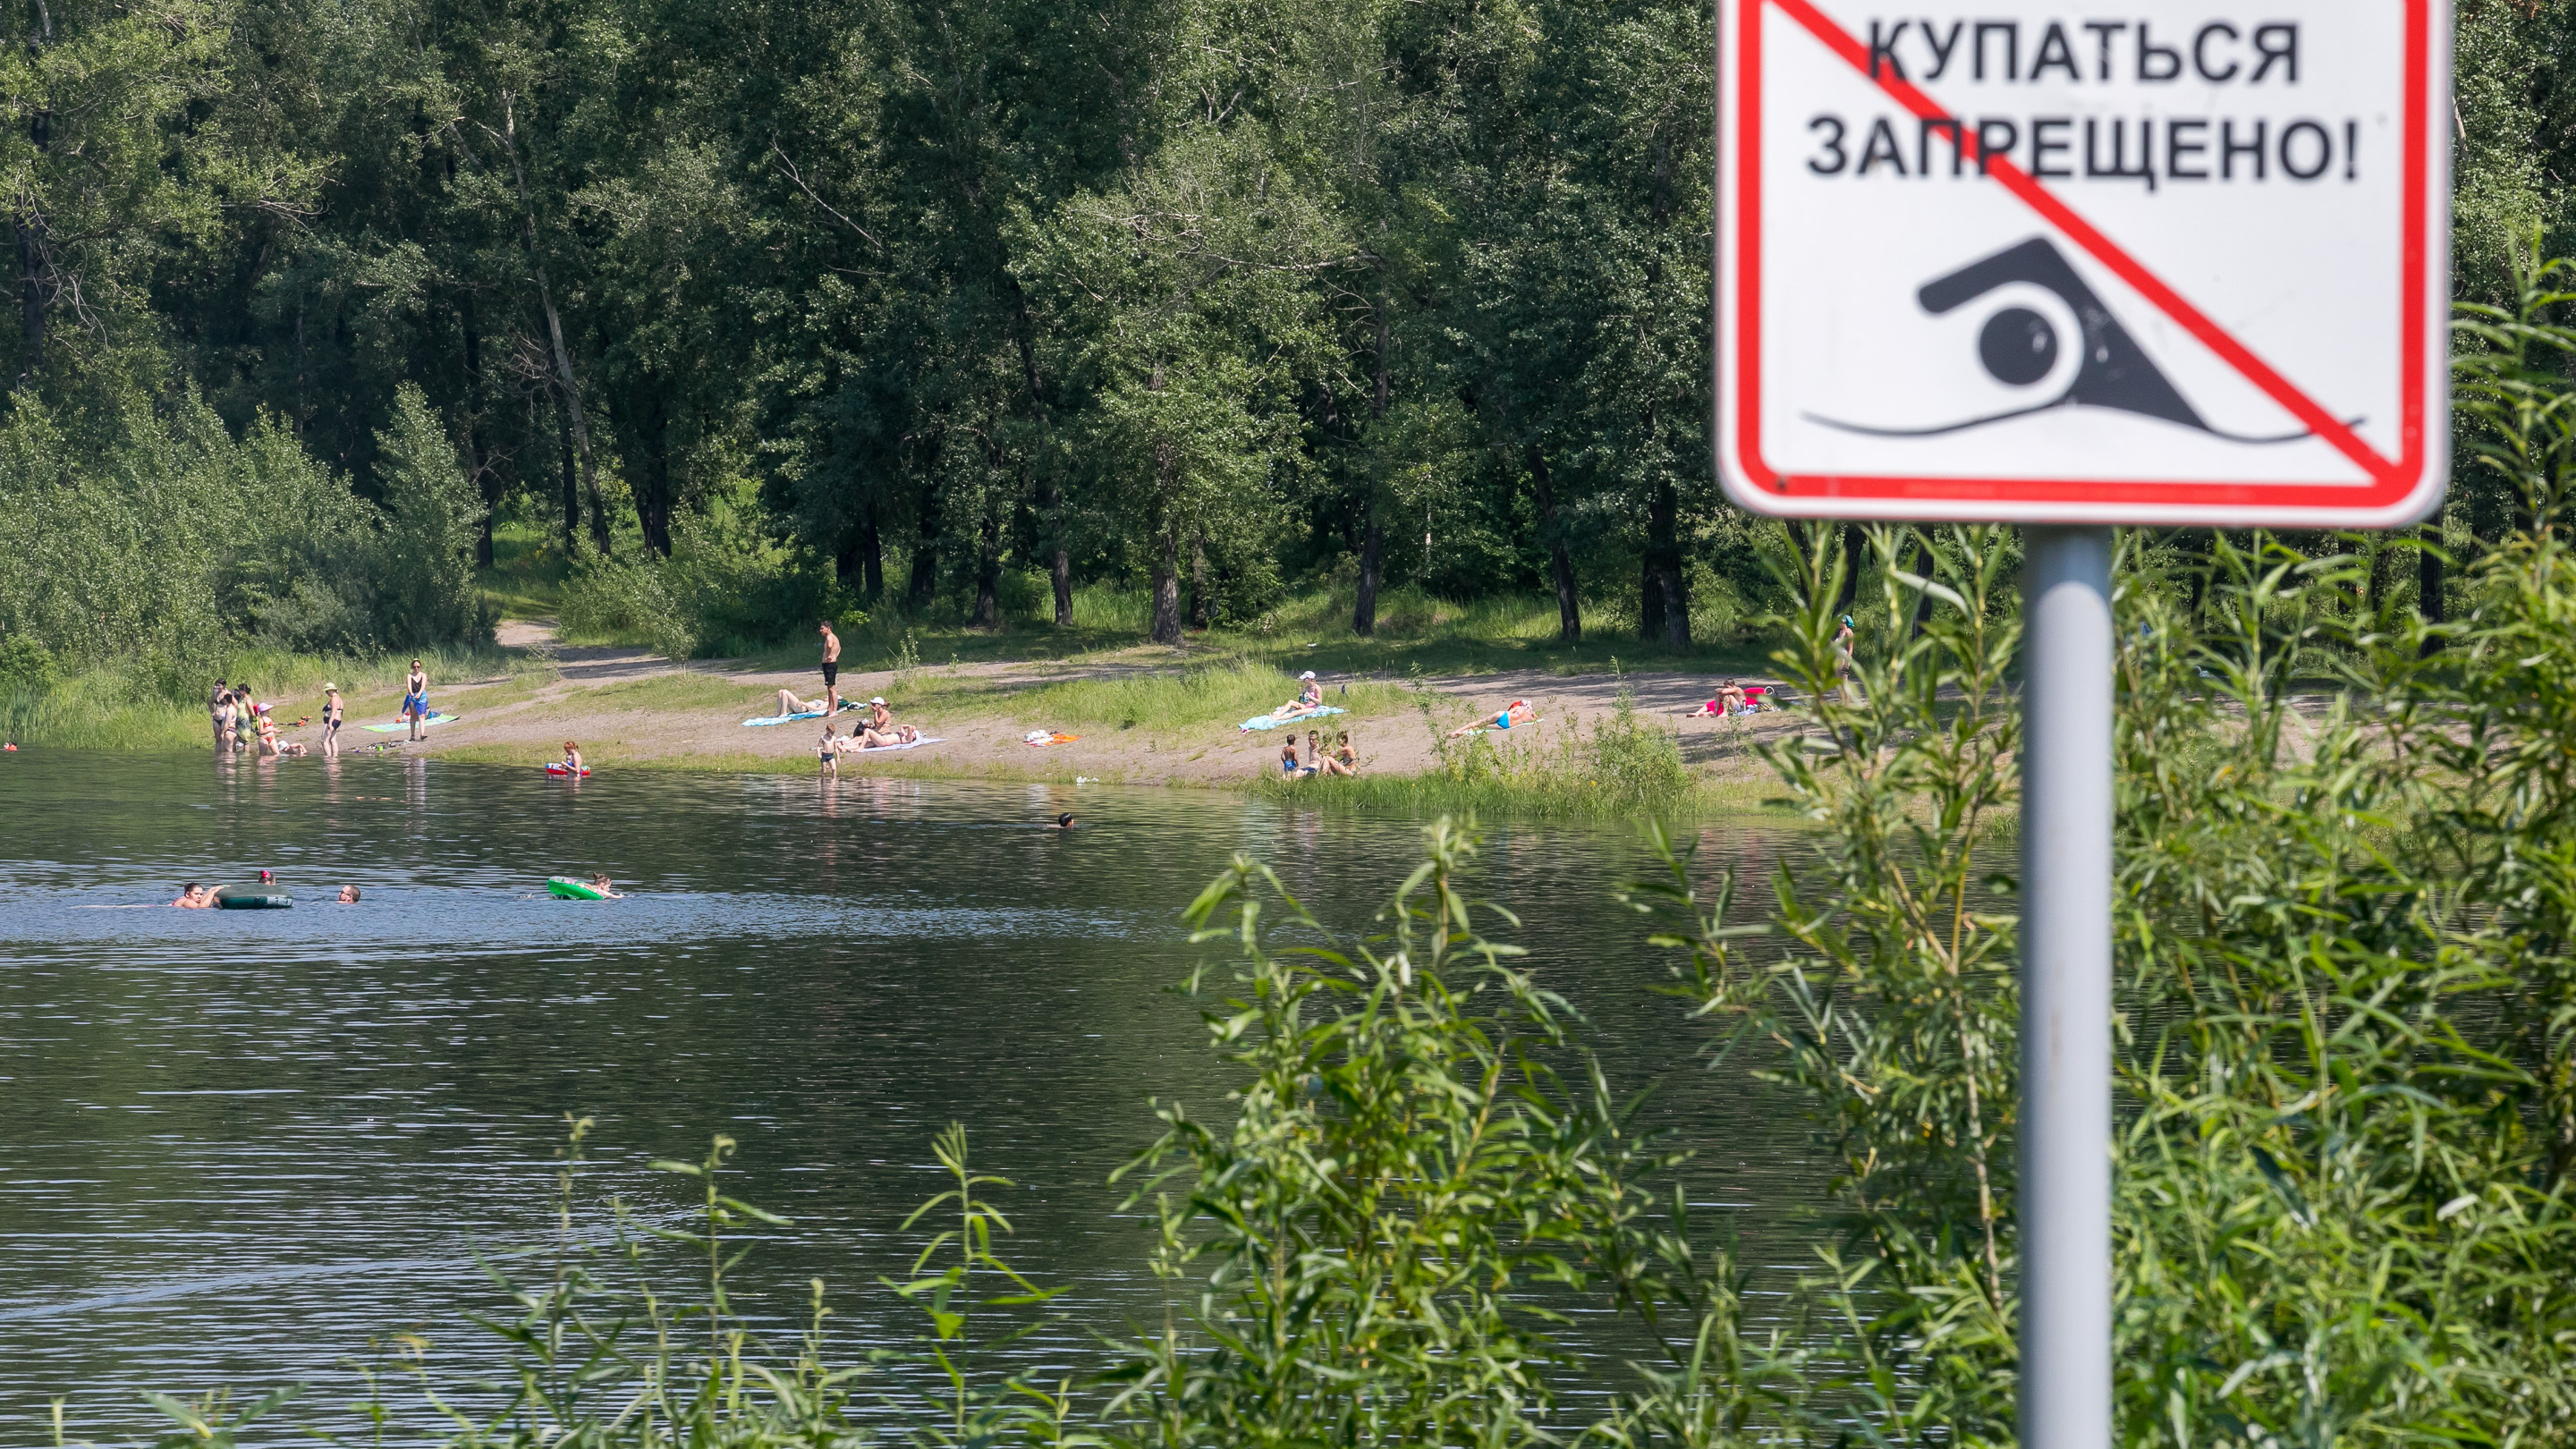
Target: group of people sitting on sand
[
  {"x": 1340, "y": 760},
  {"x": 877, "y": 732}
]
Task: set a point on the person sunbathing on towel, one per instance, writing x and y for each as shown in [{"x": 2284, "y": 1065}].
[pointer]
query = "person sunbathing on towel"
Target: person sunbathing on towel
[
  {"x": 1310, "y": 696},
  {"x": 1517, "y": 712},
  {"x": 789, "y": 704},
  {"x": 867, "y": 738}
]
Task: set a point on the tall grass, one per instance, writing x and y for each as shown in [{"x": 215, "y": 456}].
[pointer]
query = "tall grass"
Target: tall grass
[{"x": 116, "y": 708}]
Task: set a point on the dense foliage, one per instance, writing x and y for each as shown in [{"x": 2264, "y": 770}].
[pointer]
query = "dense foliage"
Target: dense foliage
[{"x": 955, "y": 302}]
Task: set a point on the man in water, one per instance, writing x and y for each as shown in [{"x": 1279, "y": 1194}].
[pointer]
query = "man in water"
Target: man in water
[
  {"x": 831, "y": 669},
  {"x": 1063, "y": 822}
]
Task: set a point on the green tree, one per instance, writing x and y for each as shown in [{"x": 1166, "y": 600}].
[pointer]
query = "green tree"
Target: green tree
[{"x": 425, "y": 567}]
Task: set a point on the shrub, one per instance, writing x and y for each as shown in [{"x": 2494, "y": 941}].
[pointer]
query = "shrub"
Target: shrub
[{"x": 425, "y": 555}]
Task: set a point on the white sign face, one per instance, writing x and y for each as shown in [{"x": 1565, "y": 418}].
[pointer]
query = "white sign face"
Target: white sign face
[{"x": 2186, "y": 262}]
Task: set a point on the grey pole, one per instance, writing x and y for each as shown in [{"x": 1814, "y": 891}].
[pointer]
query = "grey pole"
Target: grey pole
[{"x": 2066, "y": 990}]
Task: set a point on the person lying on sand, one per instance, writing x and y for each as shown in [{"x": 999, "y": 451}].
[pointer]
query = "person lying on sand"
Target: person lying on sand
[
  {"x": 194, "y": 897},
  {"x": 1517, "y": 712},
  {"x": 1310, "y": 696},
  {"x": 865, "y": 738},
  {"x": 789, "y": 704}
]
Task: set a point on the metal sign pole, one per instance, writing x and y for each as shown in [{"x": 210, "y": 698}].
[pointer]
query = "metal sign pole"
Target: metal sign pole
[{"x": 2066, "y": 990}]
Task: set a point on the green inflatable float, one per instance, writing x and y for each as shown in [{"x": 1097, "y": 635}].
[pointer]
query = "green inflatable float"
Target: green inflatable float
[
  {"x": 566, "y": 888},
  {"x": 251, "y": 898}
]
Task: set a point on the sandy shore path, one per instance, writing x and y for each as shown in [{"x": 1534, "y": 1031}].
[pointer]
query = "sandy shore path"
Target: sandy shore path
[{"x": 630, "y": 705}]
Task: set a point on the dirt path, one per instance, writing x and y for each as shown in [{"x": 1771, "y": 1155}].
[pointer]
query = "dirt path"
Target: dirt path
[{"x": 630, "y": 704}]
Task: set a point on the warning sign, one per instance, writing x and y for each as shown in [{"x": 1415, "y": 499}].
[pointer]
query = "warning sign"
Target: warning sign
[{"x": 2027, "y": 262}]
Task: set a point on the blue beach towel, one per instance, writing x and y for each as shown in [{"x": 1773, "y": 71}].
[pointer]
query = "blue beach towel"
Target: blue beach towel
[{"x": 1265, "y": 722}]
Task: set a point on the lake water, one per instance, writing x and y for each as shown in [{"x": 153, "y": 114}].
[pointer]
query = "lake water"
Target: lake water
[{"x": 242, "y": 1144}]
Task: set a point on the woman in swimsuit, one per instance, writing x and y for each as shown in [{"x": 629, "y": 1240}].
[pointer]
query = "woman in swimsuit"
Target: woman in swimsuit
[
  {"x": 1517, "y": 712},
  {"x": 267, "y": 729},
  {"x": 1343, "y": 760},
  {"x": 1310, "y": 696},
  {"x": 572, "y": 758},
  {"x": 416, "y": 698},
  {"x": 215, "y": 710},
  {"x": 789, "y": 706},
  {"x": 332, "y": 712}
]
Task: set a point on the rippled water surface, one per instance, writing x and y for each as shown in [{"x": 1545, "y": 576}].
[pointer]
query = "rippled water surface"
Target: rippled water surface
[{"x": 242, "y": 1144}]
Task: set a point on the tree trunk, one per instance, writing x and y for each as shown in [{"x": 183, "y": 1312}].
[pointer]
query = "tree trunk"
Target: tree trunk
[
  {"x": 1663, "y": 598},
  {"x": 1202, "y": 603},
  {"x": 486, "y": 478},
  {"x": 2428, "y": 582},
  {"x": 31, "y": 227},
  {"x": 988, "y": 567},
  {"x": 1372, "y": 567},
  {"x": 554, "y": 332},
  {"x": 925, "y": 556},
  {"x": 871, "y": 554},
  {"x": 571, "y": 493},
  {"x": 1167, "y": 589},
  {"x": 1854, "y": 541},
  {"x": 653, "y": 493},
  {"x": 1922, "y": 570},
  {"x": 1372, "y": 526},
  {"x": 1051, "y": 498},
  {"x": 1569, "y": 606},
  {"x": 1060, "y": 563}
]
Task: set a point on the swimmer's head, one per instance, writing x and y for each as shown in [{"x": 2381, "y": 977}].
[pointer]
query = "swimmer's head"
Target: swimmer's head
[
  {"x": 1064, "y": 821},
  {"x": 348, "y": 895}
]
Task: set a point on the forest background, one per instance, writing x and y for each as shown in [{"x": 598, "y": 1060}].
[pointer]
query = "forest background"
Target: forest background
[{"x": 735, "y": 313}]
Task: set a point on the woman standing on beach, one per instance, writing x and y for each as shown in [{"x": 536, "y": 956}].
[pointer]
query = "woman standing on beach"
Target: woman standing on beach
[{"x": 416, "y": 698}]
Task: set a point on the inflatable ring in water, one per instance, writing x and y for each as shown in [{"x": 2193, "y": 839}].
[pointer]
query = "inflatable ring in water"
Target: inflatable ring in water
[
  {"x": 246, "y": 898},
  {"x": 561, "y": 770},
  {"x": 566, "y": 888}
]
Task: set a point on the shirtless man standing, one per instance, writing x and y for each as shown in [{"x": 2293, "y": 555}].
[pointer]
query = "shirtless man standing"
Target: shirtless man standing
[{"x": 831, "y": 670}]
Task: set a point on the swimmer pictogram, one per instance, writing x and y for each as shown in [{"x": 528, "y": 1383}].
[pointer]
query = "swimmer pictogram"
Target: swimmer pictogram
[{"x": 2019, "y": 347}]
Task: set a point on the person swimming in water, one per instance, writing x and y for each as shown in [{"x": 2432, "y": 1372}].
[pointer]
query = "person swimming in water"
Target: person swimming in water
[
  {"x": 1063, "y": 822},
  {"x": 348, "y": 895},
  {"x": 599, "y": 882},
  {"x": 194, "y": 897}
]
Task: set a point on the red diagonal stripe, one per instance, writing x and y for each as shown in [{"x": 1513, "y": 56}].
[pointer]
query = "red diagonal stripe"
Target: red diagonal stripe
[{"x": 2104, "y": 250}]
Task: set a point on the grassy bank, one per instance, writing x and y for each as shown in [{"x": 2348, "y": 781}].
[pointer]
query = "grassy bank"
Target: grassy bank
[{"x": 109, "y": 708}]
